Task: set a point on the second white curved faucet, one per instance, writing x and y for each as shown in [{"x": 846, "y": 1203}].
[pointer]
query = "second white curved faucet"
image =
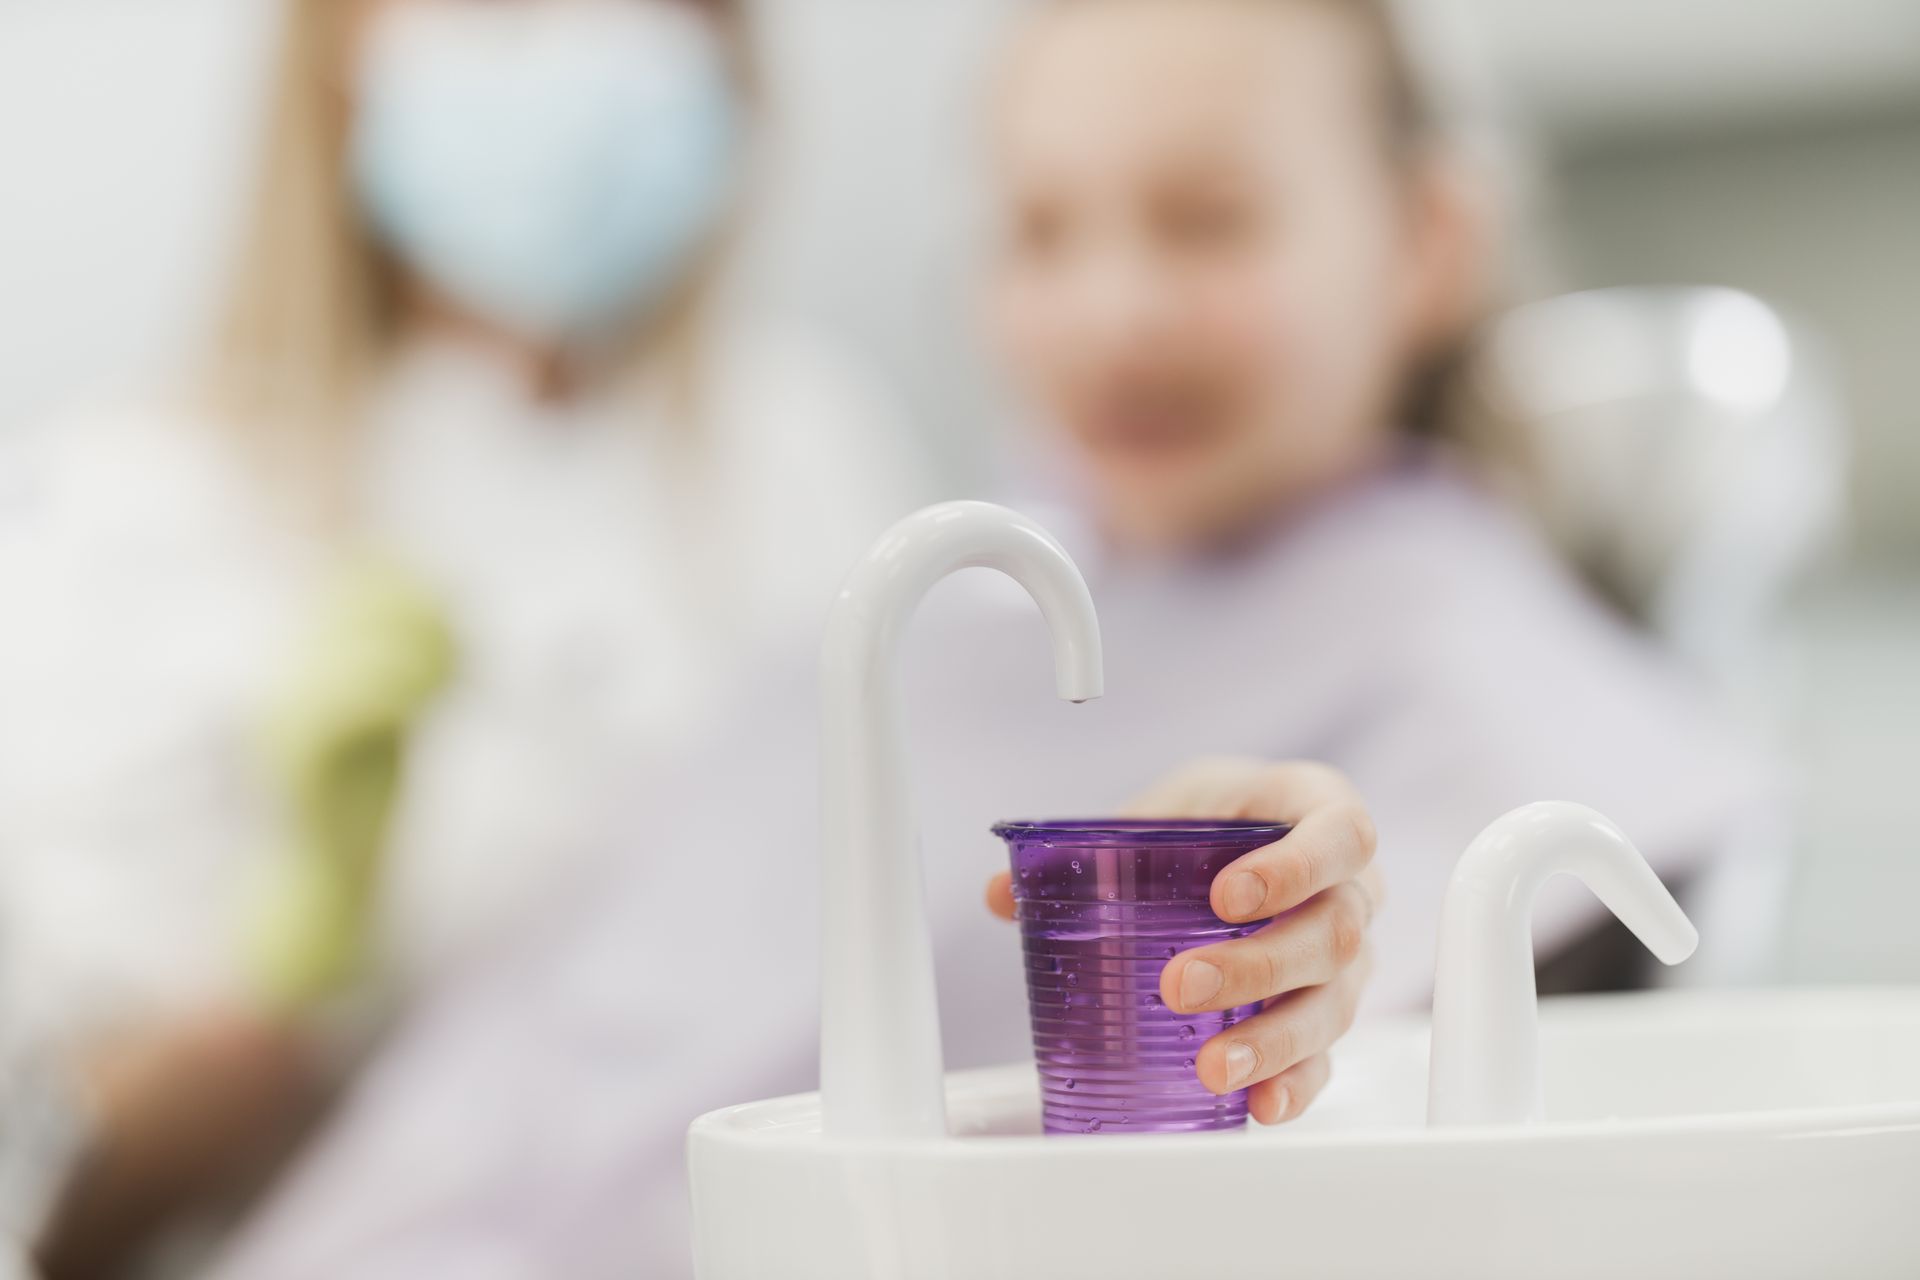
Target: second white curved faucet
[{"x": 1485, "y": 1056}]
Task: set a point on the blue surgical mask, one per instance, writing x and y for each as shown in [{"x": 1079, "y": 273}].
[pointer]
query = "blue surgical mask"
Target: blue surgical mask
[{"x": 553, "y": 166}]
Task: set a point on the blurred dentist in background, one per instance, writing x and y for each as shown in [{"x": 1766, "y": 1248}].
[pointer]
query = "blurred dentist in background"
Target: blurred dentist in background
[
  {"x": 476, "y": 333},
  {"x": 1241, "y": 271}
]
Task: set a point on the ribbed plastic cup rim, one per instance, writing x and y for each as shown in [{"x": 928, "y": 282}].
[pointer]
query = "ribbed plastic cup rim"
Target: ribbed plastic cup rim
[{"x": 1142, "y": 831}]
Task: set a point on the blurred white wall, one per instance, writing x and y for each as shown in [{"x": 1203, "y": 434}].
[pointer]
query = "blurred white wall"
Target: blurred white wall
[
  {"x": 874, "y": 152},
  {"x": 122, "y": 126},
  {"x": 1608, "y": 67}
]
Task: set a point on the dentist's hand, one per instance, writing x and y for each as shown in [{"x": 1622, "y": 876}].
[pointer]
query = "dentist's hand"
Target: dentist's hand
[
  {"x": 1309, "y": 965},
  {"x": 186, "y": 1119}
]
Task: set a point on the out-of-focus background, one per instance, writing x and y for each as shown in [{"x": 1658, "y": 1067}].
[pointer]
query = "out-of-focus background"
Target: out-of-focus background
[{"x": 1771, "y": 149}]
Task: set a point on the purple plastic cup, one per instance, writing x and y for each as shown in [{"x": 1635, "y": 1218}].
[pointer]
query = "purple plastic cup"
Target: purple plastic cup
[{"x": 1102, "y": 906}]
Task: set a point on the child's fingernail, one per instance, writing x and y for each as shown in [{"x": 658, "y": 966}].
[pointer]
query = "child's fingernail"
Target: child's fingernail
[
  {"x": 1241, "y": 1060},
  {"x": 1282, "y": 1103},
  {"x": 1243, "y": 894},
  {"x": 1199, "y": 983}
]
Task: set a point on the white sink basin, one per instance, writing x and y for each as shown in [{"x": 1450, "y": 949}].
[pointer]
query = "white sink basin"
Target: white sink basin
[
  {"x": 1687, "y": 1134},
  {"x": 1648, "y": 1061}
]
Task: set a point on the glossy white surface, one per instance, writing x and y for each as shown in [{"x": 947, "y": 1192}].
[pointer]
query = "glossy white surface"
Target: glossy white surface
[
  {"x": 1762, "y": 1134},
  {"x": 1485, "y": 1059},
  {"x": 880, "y": 1036}
]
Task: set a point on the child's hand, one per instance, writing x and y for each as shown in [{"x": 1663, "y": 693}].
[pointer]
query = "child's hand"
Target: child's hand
[{"x": 1309, "y": 965}]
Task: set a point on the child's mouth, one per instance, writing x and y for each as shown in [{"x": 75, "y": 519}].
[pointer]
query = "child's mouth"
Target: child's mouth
[{"x": 1154, "y": 426}]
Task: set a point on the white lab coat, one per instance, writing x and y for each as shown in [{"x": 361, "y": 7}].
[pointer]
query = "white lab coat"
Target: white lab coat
[
  {"x": 608, "y": 597},
  {"x": 530, "y": 1123}
]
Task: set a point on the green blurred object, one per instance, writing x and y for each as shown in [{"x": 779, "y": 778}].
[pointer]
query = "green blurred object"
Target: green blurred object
[{"x": 336, "y": 737}]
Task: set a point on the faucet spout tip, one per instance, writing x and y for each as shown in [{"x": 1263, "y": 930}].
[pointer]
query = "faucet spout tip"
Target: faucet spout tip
[
  {"x": 1678, "y": 943},
  {"x": 1080, "y": 692},
  {"x": 1079, "y": 669}
]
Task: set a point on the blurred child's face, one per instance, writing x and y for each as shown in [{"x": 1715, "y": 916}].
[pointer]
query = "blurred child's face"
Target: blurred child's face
[{"x": 1209, "y": 277}]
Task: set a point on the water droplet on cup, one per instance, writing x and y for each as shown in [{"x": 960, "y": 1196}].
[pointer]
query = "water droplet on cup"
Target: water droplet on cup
[
  {"x": 1172, "y": 952},
  {"x": 1110, "y": 895},
  {"x": 1187, "y": 1063},
  {"x": 1073, "y": 979},
  {"x": 1076, "y": 866},
  {"x": 1152, "y": 1002},
  {"x": 1186, "y": 1033},
  {"x": 1070, "y": 1082},
  {"x": 1093, "y": 1126}
]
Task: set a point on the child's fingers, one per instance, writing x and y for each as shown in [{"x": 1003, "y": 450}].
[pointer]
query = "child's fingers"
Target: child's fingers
[
  {"x": 1328, "y": 845},
  {"x": 1303, "y": 948},
  {"x": 1331, "y": 841},
  {"x": 1284, "y": 1097},
  {"x": 1000, "y": 894},
  {"x": 1287, "y": 1032}
]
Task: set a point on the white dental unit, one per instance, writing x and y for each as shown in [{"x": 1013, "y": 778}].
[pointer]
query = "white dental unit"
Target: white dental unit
[{"x": 1741, "y": 1133}]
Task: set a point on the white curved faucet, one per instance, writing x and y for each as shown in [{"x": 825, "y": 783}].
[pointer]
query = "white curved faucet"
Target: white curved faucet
[
  {"x": 880, "y": 1064},
  {"x": 1485, "y": 1062}
]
